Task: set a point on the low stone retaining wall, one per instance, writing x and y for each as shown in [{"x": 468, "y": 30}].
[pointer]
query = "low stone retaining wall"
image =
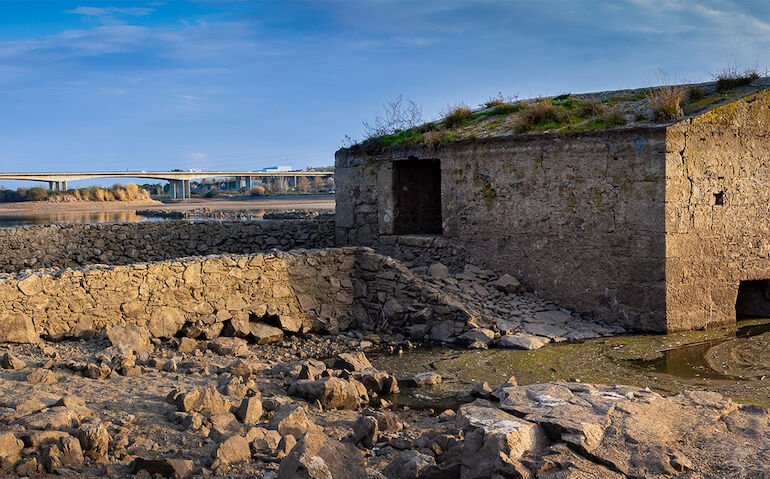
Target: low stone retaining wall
[
  {"x": 263, "y": 295},
  {"x": 72, "y": 246}
]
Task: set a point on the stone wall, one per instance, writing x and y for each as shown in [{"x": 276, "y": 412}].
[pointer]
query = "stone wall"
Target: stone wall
[
  {"x": 326, "y": 290},
  {"x": 717, "y": 211},
  {"x": 579, "y": 218},
  {"x": 64, "y": 246}
]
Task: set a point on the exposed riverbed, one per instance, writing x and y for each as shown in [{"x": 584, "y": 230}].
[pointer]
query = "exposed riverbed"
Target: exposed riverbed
[
  {"x": 37, "y": 213},
  {"x": 734, "y": 361}
]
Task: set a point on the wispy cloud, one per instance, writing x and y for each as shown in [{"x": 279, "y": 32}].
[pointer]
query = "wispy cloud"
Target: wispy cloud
[{"x": 110, "y": 11}]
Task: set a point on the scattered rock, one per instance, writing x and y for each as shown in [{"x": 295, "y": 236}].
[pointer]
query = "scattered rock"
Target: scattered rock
[
  {"x": 376, "y": 381},
  {"x": 317, "y": 456}
]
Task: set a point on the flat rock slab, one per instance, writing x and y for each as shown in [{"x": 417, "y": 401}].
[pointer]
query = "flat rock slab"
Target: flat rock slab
[
  {"x": 549, "y": 331},
  {"x": 522, "y": 341}
]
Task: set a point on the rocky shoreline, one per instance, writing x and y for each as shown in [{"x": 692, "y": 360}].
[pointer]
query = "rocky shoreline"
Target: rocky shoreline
[{"x": 127, "y": 404}]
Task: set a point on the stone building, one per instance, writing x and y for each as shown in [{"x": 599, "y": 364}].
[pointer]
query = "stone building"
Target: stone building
[{"x": 655, "y": 225}]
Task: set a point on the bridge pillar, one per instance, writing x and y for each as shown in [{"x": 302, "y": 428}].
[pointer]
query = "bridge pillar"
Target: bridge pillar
[
  {"x": 186, "y": 188},
  {"x": 50, "y": 185},
  {"x": 64, "y": 186}
]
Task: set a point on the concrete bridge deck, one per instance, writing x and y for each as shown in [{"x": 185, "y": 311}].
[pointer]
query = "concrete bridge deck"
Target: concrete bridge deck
[{"x": 179, "y": 181}]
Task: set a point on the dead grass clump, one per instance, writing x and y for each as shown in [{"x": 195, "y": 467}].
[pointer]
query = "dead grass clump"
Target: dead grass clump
[
  {"x": 666, "y": 102},
  {"x": 457, "y": 115},
  {"x": 730, "y": 77}
]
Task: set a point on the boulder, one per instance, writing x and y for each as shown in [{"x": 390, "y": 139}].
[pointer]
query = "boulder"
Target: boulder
[
  {"x": 165, "y": 322},
  {"x": 507, "y": 284},
  {"x": 42, "y": 376},
  {"x": 477, "y": 338},
  {"x": 187, "y": 345},
  {"x": 94, "y": 440},
  {"x": 264, "y": 440},
  {"x": 264, "y": 333},
  {"x": 495, "y": 440},
  {"x": 355, "y": 361},
  {"x": 331, "y": 392},
  {"x": 234, "y": 449},
  {"x": 407, "y": 465},
  {"x": 438, "y": 271},
  {"x": 426, "y": 379},
  {"x": 317, "y": 456},
  {"x": 291, "y": 419},
  {"x": 17, "y": 328},
  {"x": 131, "y": 337},
  {"x": 366, "y": 431},
  {"x": 290, "y": 324},
  {"x": 250, "y": 411},
  {"x": 9, "y": 361},
  {"x": 229, "y": 346},
  {"x": 57, "y": 417},
  {"x": 9, "y": 445},
  {"x": 164, "y": 466},
  {"x": 206, "y": 401},
  {"x": 482, "y": 390},
  {"x": 224, "y": 426},
  {"x": 521, "y": 341},
  {"x": 376, "y": 381}
]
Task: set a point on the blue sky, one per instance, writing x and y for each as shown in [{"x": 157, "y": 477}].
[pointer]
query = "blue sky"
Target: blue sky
[{"x": 243, "y": 85}]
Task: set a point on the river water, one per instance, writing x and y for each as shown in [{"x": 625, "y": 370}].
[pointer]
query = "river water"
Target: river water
[{"x": 734, "y": 361}]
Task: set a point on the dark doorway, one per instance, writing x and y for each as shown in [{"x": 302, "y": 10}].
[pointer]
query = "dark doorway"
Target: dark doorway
[
  {"x": 753, "y": 299},
  {"x": 417, "y": 197}
]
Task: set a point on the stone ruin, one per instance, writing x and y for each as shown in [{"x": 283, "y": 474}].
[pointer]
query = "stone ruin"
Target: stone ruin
[{"x": 658, "y": 226}]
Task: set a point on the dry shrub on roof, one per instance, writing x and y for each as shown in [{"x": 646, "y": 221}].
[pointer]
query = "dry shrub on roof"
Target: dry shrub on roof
[
  {"x": 666, "y": 102},
  {"x": 731, "y": 77},
  {"x": 457, "y": 115},
  {"x": 540, "y": 112}
]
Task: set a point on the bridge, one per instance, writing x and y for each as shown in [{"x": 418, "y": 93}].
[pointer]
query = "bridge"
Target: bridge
[{"x": 179, "y": 181}]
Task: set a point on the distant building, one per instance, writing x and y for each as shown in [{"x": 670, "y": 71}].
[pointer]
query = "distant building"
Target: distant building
[{"x": 277, "y": 169}]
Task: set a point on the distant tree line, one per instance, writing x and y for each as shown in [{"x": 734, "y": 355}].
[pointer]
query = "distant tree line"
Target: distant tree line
[{"x": 92, "y": 193}]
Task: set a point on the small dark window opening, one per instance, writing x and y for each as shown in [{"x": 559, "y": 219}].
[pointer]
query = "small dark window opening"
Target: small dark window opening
[
  {"x": 417, "y": 197},
  {"x": 753, "y": 299},
  {"x": 719, "y": 198}
]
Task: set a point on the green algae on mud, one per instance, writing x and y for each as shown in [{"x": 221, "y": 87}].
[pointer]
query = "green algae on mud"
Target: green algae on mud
[{"x": 667, "y": 364}]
